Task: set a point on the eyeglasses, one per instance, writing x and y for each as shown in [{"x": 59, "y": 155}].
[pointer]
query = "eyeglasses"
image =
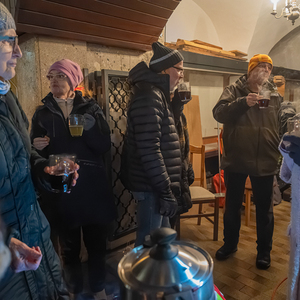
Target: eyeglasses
[
  {"x": 180, "y": 71},
  {"x": 58, "y": 77},
  {"x": 11, "y": 40}
]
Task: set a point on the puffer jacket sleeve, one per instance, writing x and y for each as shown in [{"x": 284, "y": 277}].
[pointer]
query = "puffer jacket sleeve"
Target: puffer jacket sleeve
[
  {"x": 230, "y": 106},
  {"x": 147, "y": 115}
]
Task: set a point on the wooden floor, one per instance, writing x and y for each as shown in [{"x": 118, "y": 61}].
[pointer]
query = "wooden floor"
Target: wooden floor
[{"x": 238, "y": 278}]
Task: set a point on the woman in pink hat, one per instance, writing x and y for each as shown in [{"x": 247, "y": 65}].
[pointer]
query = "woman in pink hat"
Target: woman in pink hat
[{"x": 89, "y": 208}]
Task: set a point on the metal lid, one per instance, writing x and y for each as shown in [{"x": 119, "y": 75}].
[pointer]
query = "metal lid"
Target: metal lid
[{"x": 167, "y": 265}]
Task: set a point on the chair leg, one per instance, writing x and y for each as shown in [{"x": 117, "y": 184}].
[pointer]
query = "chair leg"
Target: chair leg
[
  {"x": 247, "y": 207},
  {"x": 199, "y": 212},
  {"x": 216, "y": 219}
]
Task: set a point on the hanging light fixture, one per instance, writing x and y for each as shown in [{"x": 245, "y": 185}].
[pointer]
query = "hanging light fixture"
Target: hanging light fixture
[{"x": 291, "y": 10}]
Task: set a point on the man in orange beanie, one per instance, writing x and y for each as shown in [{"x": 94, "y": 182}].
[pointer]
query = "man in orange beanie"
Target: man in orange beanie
[{"x": 251, "y": 139}]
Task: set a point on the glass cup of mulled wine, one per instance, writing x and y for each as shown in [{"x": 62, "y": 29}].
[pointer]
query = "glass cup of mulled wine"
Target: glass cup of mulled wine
[
  {"x": 184, "y": 91},
  {"x": 76, "y": 125},
  {"x": 62, "y": 168},
  {"x": 264, "y": 98}
]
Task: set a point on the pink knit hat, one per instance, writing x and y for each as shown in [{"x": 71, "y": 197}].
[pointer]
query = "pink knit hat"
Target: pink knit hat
[{"x": 71, "y": 69}]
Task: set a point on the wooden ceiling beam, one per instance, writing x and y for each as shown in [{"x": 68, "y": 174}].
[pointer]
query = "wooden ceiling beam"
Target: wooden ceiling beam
[
  {"x": 84, "y": 37},
  {"x": 46, "y": 21}
]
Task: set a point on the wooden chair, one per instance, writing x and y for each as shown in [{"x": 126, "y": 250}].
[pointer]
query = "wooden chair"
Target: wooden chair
[{"x": 200, "y": 195}]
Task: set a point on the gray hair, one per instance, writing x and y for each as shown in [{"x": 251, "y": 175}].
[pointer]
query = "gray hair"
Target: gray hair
[{"x": 6, "y": 19}]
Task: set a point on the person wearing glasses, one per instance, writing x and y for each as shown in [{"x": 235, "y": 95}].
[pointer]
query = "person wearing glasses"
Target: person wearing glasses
[
  {"x": 251, "y": 140},
  {"x": 34, "y": 271},
  {"x": 151, "y": 158},
  {"x": 89, "y": 208}
]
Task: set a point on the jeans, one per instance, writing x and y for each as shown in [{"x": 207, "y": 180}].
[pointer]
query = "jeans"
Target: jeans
[
  {"x": 148, "y": 216},
  {"x": 262, "y": 188}
]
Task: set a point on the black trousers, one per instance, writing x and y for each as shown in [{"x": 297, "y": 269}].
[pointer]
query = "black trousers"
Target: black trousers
[
  {"x": 94, "y": 237},
  {"x": 262, "y": 188}
]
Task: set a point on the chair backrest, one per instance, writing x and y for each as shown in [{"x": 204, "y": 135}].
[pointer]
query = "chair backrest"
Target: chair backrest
[{"x": 199, "y": 150}]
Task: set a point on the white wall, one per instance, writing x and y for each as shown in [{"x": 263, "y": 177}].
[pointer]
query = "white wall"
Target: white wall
[{"x": 209, "y": 88}]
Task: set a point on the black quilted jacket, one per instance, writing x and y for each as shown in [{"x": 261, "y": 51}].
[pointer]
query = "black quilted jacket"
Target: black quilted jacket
[{"x": 151, "y": 160}]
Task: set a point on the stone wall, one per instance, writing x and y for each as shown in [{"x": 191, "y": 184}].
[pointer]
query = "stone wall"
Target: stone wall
[{"x": 40, "y": 52}]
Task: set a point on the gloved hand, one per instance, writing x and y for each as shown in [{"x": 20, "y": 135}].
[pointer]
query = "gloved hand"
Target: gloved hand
[
  {"x": 177, "y": 106},
  {"x": 168, "y": 206},
  {"x": 89, "y": 121},
  {"x": 293, "y": 147}
]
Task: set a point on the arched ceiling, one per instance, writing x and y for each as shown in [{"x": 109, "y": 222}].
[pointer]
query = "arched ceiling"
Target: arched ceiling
[{"x": 242, "y": 25}]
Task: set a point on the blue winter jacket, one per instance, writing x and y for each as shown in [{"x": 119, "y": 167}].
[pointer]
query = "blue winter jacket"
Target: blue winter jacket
[{"x": 19, "y": 208}]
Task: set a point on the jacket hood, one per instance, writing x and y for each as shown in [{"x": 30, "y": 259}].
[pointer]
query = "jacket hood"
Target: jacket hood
[{"x": 141, "y": 73}]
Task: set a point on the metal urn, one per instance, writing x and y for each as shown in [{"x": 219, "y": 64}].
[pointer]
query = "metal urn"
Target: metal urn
[{"x": 167, "y": 270}]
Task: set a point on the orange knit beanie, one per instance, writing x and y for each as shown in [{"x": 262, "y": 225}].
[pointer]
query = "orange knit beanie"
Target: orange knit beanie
[{"x": 257, "y": 59}]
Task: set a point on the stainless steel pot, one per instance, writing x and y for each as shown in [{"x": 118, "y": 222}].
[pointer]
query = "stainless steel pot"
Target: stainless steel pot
[{"x": 169, "y": 270}]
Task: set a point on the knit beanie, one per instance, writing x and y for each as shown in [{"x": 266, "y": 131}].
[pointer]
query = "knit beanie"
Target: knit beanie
[
  {"x": 6, "y": 19},
  {"x": 69, "y": 68},
  {"x": 257, "y": 59},
  {"x": 163, "y": 58}
]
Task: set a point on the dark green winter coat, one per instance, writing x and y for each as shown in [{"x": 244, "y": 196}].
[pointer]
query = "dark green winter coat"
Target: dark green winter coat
[
  {"x": 250, "y": 134},
  {"x": 20, "y": 210}
]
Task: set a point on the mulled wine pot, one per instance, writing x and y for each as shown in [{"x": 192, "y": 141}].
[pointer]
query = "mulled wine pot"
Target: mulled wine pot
[{"x": 168, "y": 270}]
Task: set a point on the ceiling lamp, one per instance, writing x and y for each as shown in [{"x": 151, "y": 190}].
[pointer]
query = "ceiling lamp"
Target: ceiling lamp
[{"x": 291, "y": 10}]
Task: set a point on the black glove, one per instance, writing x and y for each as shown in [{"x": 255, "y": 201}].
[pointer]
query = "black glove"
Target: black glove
[
  {"x": 294, "y": 147},
  {"x": 168, "y": 206},
  {"x": 89, "y": 121}
]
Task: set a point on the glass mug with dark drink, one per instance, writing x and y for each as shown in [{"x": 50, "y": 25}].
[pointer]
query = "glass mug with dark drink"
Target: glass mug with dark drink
[
  {"x": 76, "y": 125},
  {"x": 62, "y": 168},
  {"x": 264, "y": 98},
  {"x": 184, "y": 91}
]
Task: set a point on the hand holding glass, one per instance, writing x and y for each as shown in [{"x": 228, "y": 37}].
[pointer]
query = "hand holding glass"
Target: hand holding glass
[
  {"x": 264, "y": 98},
  {"x": 76, "y": 125},
  {"x": 62, "y": 168},
  {"x": 184, "y": 91}
]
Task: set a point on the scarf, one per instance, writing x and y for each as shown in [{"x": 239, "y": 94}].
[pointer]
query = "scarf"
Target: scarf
[{"x": 4, "y": 87}]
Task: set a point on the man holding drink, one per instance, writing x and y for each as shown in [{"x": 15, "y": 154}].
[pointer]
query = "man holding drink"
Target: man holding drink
[{"x": 251, "y": 139}]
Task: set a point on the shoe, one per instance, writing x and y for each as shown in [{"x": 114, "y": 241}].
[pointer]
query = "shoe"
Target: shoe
[
  {"x": 224, "y": 253},
  {"x": 100, "y": 295},
  {"x": 263, "y": 261}
]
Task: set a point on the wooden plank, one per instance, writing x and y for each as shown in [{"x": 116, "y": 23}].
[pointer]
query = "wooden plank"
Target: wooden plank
[
  {"x": 170, "y": 4},
  {"x": 113, "y": 10},
  {"x": 170, "y": 45},
  {"x": 44, "y": 20},
  {"x": 207, "y": 52},
  {"x": 140, "y": 6},
  {"x": 79, "y": 14},
  {"x": 206, "y": 44},
  {"x": 239, "y": 53},
  {"x": 211, "y": 49},
  {"x": 192, "y": 114},
  {"x": 210, "y": 139},
  {"x": 82, "y": 37}
]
